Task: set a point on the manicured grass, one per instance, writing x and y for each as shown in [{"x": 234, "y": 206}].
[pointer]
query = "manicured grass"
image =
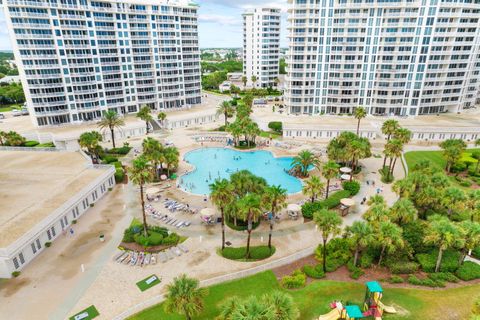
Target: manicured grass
[
  {"x": 143, "y": 285},
  {"x": 256, "y": 253},
  {"x": 92, "y": 313},
  {"x": 435, "y": 157},
  {"x": 314, "y": 299},
  {"x": 270, "y": 134},
  {"x": 10, "y": 107}
]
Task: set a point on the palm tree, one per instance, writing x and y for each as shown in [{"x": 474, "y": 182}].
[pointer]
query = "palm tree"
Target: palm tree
[
  {"x": 253, "y": 309},
  {"x": 471, "y": 237},
  {"x": 453, "y": 199},
  {"x": 283, "y": 305},
  {"x": 244, "y": 80},
  {"x": 354, "y": 150},
  {"x": 394, "y": 149},
  {"x": 221, "y": 195},
  {"x": 14, "y": 139},
  {"x": 3, "y": 138},
  {"x": 250, "y": 209},
  {"x": 112, "y": 121},
  {"x": 228, "y": 307},
  {"x": 275, "y": 199},
  {"x": 389, "y": 128},
  {"x": 328, "y": 223},
  {"x": 452, "y": 151},
  {"x": 403, "y": 211},
  {"x": 185, "y": 297},
  {"x": 154, "y": 152},
  {"x": 473, "y": 203},
  {"x": 390, "y": 236},
  {"x": 145, "y": 114},
  {"x": 254, "y": 80},
  {"x": 361, "y": 235},
  {"x": 141, "y": 174},
  {"x": 161, "y": 116},
  {"x": 443, "y": 234},
  {"x": 376, "y": 214},
  {"x": 329, "y": 171},
  {"x": 359, "y": 114},
  {"x": 171, "y": 159},
  {"x": 403, "y": 134},
  {"x": 227, "y": 110},
  {"x": 303, "y": 161},
  {"x": 313, "y": 187},
  {"x": 90, "y": 141}
]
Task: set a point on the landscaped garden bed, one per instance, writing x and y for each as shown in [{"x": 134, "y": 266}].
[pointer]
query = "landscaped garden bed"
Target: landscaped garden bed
[{"x": 239, "y": 254}]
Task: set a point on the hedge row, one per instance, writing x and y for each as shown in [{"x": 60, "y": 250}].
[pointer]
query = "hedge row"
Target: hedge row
[
  {"x": 449, "y": 261},
  {"x": 333, "y": 201},
  {"x": 315, "y": 272},
  {"x": 256, "y": 253},
  {"x": 468, "y": 271}
]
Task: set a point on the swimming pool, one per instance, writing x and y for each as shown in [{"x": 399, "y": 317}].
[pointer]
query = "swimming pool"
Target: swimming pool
[{"x": 213, "y": 163}]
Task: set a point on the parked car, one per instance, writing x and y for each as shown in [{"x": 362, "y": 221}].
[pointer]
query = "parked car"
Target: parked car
[
  {"x": 24, "y": 112},
  {"x": 2, "y": 116},
  {"x": 16, "y": 113}
]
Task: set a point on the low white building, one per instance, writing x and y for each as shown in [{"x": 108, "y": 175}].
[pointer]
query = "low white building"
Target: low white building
[
  {"x": 42, "y": 194},
  {"x": 10, "y": 79},
  {"x": 225, "y": 86}
]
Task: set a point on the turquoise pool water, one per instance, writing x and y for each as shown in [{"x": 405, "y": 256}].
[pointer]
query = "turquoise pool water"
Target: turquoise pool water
[{"x": 214, "y": 163}]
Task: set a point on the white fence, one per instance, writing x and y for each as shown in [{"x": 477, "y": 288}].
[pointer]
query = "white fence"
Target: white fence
[
  {"x": 5, "y": 148},
  {"x": 224, "y": 278}
]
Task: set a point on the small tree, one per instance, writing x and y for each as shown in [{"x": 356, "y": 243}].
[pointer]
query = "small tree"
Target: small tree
[
  {"x": 275, "y": 197},
  {"x": 452, "y": 151},
  {"x": 329, "y": 171},
  {"x": 361, "y": 235},
  {"x": 328, "y": 223},
  {"x": 254, "y": 80},
  {"x": 313, "y": 187},
  {"x": 145, "y": 114},
  {"x": 222, "y": 195},
  {"x": 226, "y": 110},
  {"x": 471, "y": 237},
  {"x": 250, "y": 209},
  {"x": 185, "y": 297},
  {"x": 141, "y": 174},
  {"x": 390, "y": 237},
  {"x": 244, "y": 81},
  {"x": 403, "y": 211},
  {"x": 112, "y": 121},
  {"x": 359, "y": 114},
  {"x": 90, "y": 141},
  {"x": 389, "y": 128},
  {"x": 303, "y": 161},
  {"x": 162, "y": 116}
]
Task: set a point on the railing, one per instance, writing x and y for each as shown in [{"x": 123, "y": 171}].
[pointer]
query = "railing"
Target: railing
[
  {"x": 224, "y": 278},
  {"x": 7, "y": 148}
]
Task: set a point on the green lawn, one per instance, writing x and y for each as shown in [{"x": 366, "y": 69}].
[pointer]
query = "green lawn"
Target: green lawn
[
  {"x": 92, "y": 313},
  {"x": 314, "y": 299},
  {"x": 10, "y": 107},
  {"x": 143, "y": 285},
  {"x": 268, "y": 134},
  {"x": 435, "y": 157}
]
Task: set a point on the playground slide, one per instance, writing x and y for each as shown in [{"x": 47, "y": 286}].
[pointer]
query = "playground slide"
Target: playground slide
[
  {"x": 332, "y": 315},
  {"x": 387, "y": 309}
]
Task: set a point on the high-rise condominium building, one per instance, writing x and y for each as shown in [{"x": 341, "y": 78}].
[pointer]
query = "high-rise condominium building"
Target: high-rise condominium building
[
  {"x": 402, "y": 57},
  {"x": 261, "y": 46},
  {"x": 78, "y": 58}
]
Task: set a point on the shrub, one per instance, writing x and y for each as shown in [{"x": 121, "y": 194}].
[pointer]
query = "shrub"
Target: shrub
[
  {"x": 315, "y": 272},
  {"x": 476, "y": 253},
  {"x": 256, "y": 253},
  {"x": 296, "y": 280},
  {"x": 119, "y": 175},
  {"x": 309, "y": 208},
  {"x": 366, "y": 260},
  {"x": 333, "y": 201},
  {"x": 109, "y": 159},
  {"x": 352, "y": 186},
  {"x": 92, "y": 205},
  {"x": 276, "y": 126},
  {"x": 48, "y": 244},
  {"x": 31, "y": 143},
  {"x": 45, "y": 145},
  {"x": 402, "y": 267},
  {"x": 122, "y": 150},
  {"x": 338, "y": 253},
  {"x": 466, "y": 183},
  {"x": 357, "y": 273},
  {"x": 74, "y": 221},
  {"x": 118, "y": 165},
  {"x": 395, "y": 279},
  {"x": 468, "y": 271},
  {"x": 15, "y": 274},
  {"x": 171, "y": 239},
  {"x": 427, "y": 282},
  {"x": 443, "y": 276},
  {"x": 458, "y": 167},
  {"x": 449, "y": 261},
  {"x": 386, "y": 176},
  {"x": 241, "y": 225},
  {"x": 414, "y": 233}
]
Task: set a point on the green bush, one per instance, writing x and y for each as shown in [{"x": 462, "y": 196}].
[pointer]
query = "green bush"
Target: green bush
[
  {"x": 449, "y": 261},
  {"x": 171, "y": 239},
  {"x": 468, "y": 271},
  {"x": 333, "y": 201},
  {"x": 352, "y": 186},
  {"x": 119, "y": 175},
  {"x": 241, "y": 225},
  {"x": 309, "y": 208},
  {"x": 107, "y": 159},
  {"x": 443, "y": 276},
  {"x": 276, "y": 126},
  {"x": 386, "y": 176},
  {"x": 45, "y": 145},
  {"x": 256, "y": 253},
  {"x": 48, "y": 244},
  {"x": 296, "y": 280},
  {"x": 404, "y": 267},
  {"x": 315, "y": 272},
  {"x": 427, "y": 282},
  {"x": 122, "y": 150},
  {"x": 476, "y": 253},
  {"x": 466, "y": 183},
  {"x": 356, "y": 273},
  {"x": 15, "y": 274},
  {"x": 458, "y": 167},
  {"x": 117, "y": 165},
  {"x": 338, "y": 253},
  {"x": 31, "y": 143},
  {"x": 395, "y": 279},
  {"x": 414, "y": 233}
]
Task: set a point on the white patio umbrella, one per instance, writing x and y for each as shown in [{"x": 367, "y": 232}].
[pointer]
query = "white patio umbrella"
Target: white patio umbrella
[
  {"x": 293, "y": 207},
  {"x": 347, "y": 202},
  {"x": 163, "y": 177},
  {"x": 345, "y": 177},
  {"x": 207, "y": 212},
  {"x": 153, "y": 190},
  {"x": 345, "y": 170}
]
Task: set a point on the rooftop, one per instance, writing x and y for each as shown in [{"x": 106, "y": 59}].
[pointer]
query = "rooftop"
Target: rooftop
[{"x": 33, "y": 184}]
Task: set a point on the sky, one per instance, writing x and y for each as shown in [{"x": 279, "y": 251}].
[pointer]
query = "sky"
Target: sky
[{"x": 220, "y": 22}]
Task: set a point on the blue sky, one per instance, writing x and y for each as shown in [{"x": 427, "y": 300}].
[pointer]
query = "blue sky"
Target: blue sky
[{"x": 220, "y": 22}]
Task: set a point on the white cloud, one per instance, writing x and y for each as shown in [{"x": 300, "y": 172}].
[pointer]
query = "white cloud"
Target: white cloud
[{"x": 219, "y": 19}]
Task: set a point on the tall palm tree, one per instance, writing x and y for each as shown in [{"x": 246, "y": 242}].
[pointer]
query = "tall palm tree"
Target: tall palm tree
[
  {"x": 154, "y": 152},
  {"x": 376, "y": 214},
  {"x": 359, "y": 114},
  {"x": 185, "y": 296},
  {"x": 254, "y": 80},
  {"x": 303, "y": 161},
  {"x": 328, "y": 223},
  {"x": 388, "y": 128},
  {"x": 452, "y": 151},
  {"x": 145, "y": 114},
  {"x": 403, "y": 134},
  {"x": 354, "y": 150},
  {"x": 453, "y": 200},
  {"x": 227, "y": 110},
  {"x": 471, "y": 237},
  {"x": 248, "y": 101},
  {"x": 250, "y": 210},
  {"x": 403, "y": 211},
  {"x": 329, "y": 171},
  {"x": 228, "y": 307},
  {"x": 361, "y": 235},
  {"x": 390, "y": 236},
  {"x": 395, "y": 150},
  {"x": 171, "y": 158},
  {"x": 313, "y": 187},
  {"x": 222, "y": 195},
  {"x": 443, "y": 234},
  {"x": 472, "y": 204},
  {"x": 244, "y": 81},
  {"x": 283, "y": 304},
  {"x": 90, "y": 141},
  {"x": 140, "y": 174},
  {"x": 275, "y": 199},
  {"x": 112, "y": 121},
  {"x": 161, "y": 116}
]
